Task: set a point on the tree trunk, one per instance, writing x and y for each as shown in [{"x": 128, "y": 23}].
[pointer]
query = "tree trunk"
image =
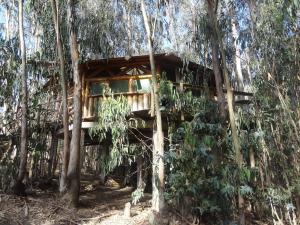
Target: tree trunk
[
  {"x": 7, "y": 24},
  {"x": 23, "y": 147},
  {"x": 237, "y": 57},
  {"x": 73, "y": 174},
  {"x": 56, "y": 156},
  {"x": 63, "y": 81},
  {"x": 53, "y": 152},
  {"x": 158, "y": 137},
  {"x": 235, "y": 139},
  {"x": 211, "y": 9}
]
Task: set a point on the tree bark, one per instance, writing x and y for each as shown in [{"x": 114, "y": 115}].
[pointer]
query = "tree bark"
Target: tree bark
[
  {"x": 235, "y": 138},
  {"x": 73, "y": 174},
  {"x": 53, "y": 152},
  {"x": 211, "y": 9},
  {"x": 237, "y": 56},
  {"x": 23, "y": 147},
  {"x": 63, "y": 82},
  {"x": 158, "y": 137}
]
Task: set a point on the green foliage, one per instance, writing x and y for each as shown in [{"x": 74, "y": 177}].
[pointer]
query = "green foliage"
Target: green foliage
[
  {"x": 8, "y": 164},
  {"x": 195, "y": 169},
  {"x": 173, "y": 100},
  {"x": 114, "y": 122},
  {"x": 137, "y": 195}
]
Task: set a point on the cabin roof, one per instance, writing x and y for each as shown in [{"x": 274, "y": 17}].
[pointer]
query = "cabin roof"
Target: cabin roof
[
  {"x": 164, "y": 59},
  {"x": 93, "y": 68}
]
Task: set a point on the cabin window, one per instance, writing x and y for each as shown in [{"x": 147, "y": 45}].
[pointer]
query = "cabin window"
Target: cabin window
[
  {"x": 143, "y": 85},
  {"x": 119, "y": 86},
  {"x": 97, "y": 88}
]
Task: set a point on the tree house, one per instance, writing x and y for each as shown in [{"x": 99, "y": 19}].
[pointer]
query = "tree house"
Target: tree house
[{"x": 131, "y": 78}]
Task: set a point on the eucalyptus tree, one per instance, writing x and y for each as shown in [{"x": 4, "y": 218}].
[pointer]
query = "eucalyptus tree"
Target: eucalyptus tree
[
  {"x": 212, "y": 10},
  {"x": 158, "y": 171},
  {"x": 276, "y": 66},
  {"x": 217, "y": 44},
  {"x": 24, "y": 138},
  {"x": 63, "y": 81},
  {"x": 73, "y": 174},
  {"x": 237, "y": 54}
]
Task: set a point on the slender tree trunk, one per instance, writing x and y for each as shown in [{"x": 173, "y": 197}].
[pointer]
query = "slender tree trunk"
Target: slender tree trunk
[
  {"x": 55, "y": 156},
  {"x": 73, "y": 174},
  {"x": 235, "y": 139},
  {"x": 7, "y": 24},
  {"x": 63, "y": 82},
  {"x": 237, "y": 57},
  {"x": 211, "y": 9},
  {"x": 23, "y": 147},
  {"x": 158, "y": 136},
  {"x": 53, "y": 153}
]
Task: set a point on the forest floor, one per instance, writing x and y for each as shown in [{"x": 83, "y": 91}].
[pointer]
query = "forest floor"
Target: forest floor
[{"x": 99, "y": 205}]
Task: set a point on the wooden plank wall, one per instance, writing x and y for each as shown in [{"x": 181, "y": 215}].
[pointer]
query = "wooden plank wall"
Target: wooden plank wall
[{"x": 137, "y": 102}]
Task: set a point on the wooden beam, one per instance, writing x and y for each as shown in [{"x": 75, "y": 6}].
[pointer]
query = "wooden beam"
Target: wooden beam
[
  {"x": 240, "y": 93},
  {"x": 124, "y": 77}
]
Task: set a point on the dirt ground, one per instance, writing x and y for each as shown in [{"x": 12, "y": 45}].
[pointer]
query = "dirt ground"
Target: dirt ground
[{"x": 99, "y": 205}]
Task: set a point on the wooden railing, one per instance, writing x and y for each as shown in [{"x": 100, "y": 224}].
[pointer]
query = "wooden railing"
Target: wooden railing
[{"x": 137, "y": 101}]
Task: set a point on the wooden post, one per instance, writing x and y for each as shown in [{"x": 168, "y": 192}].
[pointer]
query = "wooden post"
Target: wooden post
[
  {"x": 135, "y": 102},
  {"x": 140, "y": 102},
  {"x": 82, "y": 149},
  {"x": 129, "y": 99},
  {"x": 146, "y": 101},
  {"x": 90, "y": 104},
  {"x": 152, "y": 103},
  {"x": 86, "y": 100},
  {"x": 131, "y": 85},
  {"x": 95, "y": 114},
  {"x": 139, "y": 166},
  {"x": 181, "y": 91},
  {"x": 103, "y": 150}
]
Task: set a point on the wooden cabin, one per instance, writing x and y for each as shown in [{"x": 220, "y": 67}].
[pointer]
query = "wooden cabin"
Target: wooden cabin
[{"x": 131, "y": 77}]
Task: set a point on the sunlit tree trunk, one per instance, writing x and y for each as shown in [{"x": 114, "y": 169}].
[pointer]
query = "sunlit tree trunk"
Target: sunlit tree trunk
[
  {"x": 7, "y": 23},
  {"x": 211, "y": 9},
  {"x": 237, "y": 56},
  {"x": 158, "y": 136},
  {"x": 73, "y": 174},
  {"x": 230, "y": 99},
  {"x": 23, "y": 147},
  {"x": 63, "y": 83}
]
